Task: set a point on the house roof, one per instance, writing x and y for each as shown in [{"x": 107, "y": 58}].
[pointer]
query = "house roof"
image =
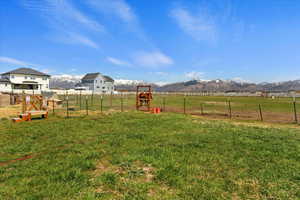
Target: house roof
[
  {"x": 90, "y": 76},
  {"x": 26, "y": 71},
  {"x": 93, "y": 76},
  {"x": 108, "y": 79}
]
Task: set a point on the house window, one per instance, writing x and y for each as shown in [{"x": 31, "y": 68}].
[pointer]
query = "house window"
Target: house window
[
  {"x": 98, "y": 87},
  {"x": 103, "y": 88},
  {"x": 44, "y": 78},
  {"x": 26, "y": 77},
  {"x": 47, "y": 86},
  {"x": 32, "y": 78},
  {"x": 12, "y": 76},
  {"x": 5, "y": 84}
]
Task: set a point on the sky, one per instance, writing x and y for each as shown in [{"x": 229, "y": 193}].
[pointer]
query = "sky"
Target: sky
[{"x": 159, "y": 41}]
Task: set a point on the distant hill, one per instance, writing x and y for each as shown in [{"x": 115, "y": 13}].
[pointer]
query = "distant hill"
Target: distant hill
[
  {"x": 68, "y": 82},
  {"x": 227, "y": 86},
  {"x": 211, "y": 86}
]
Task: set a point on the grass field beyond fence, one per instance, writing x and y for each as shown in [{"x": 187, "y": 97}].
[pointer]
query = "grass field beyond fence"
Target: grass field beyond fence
[
  {"x": 142, "y": 156},
  {"x": 278, "y": 110}
]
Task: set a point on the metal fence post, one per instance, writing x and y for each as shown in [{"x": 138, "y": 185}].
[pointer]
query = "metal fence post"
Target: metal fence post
[
  {"x": 201, "y": 107},
  {"x": 101, "y": 104},
  {"x": 12, "y": 99},
  {"x": 87, "y": 105},
  {"x": 53, "y": 109},
  {"x": 229, "y": 107},
  {"x": 67, "y": 98},
  {"x": 80, "y": 99},
  {"x": 184, "y": 105},
  {"x": 122, "y": 103},
  {"x": 111, "y": 99},
  {"x": 92, "y": 100},
  {"x": 295, "y": 112},
  {"x": 260, "y": 113}
]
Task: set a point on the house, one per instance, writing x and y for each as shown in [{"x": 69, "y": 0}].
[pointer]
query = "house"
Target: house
[
  {"x": 24, "y": 79},
  {"x": 97, "y": 83},
  {"x": 5, "y": 85}
]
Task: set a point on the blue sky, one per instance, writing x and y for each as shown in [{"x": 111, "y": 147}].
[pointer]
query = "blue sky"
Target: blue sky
[{"x": 157, "y": 40}]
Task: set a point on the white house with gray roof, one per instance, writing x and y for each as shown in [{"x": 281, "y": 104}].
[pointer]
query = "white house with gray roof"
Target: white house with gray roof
[
  {"x": 24, "y": 79},
  {"x": 97, "y": 83}
]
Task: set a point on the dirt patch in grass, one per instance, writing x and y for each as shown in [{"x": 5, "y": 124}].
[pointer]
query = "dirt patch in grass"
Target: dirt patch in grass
[
  {"x": 126, "y": 178},
  {"x": 137, "y": 170}
]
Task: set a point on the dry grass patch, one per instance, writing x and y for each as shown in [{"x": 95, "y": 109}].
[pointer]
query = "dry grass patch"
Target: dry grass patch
[
  {"x": 10, "y": 111},
  {"x": 117, "y": 181}
]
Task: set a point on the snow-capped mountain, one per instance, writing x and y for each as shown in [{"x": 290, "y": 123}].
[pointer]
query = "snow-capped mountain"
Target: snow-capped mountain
[
  {"x": 67, "y": 81},
  {"x": 67, "y": 77},
  {"x": 128, "y": 82},
  {"x": 64, "y": 81}
]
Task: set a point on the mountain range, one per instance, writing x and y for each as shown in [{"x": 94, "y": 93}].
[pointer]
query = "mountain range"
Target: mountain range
[{"x": 69, "y": 81}]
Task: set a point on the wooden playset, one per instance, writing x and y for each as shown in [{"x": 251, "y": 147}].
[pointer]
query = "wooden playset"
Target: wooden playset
[
  {"x": 32, "y": 106},
  {"x": 143, "y": 97}
]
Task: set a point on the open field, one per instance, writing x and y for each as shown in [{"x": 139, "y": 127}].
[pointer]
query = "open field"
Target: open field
[
  {"x": 278, "y": 110},
  {"x": 134, "y": 155}
]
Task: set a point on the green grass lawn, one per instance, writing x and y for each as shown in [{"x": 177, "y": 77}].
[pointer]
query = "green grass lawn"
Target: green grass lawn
[{"x": 143, "y": 156}]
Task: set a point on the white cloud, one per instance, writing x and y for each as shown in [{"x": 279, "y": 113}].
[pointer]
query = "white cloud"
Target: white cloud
[
  {"x": 201, "y": 27},
  {"x": 14, "y": 61},
  {"x": 62, "y": 14},
  {"x": 123, "y": 13},
  {"x": 118, "y": 62},
  {"x": 75, "y": 38},
  {"x": 152, "y": 59},
  {"x": 194, "y": 75},
  {"x": 162, "y": 73},
  {"x": 118, "y": 8},
  {"x": 21, "y": 63},
  {"x": 64, "y": 18}
]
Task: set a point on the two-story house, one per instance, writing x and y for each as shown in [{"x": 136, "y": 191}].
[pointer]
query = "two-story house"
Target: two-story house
[
  {"x": 24, "y": 79},
  {"x": 96, "y": 82}
]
